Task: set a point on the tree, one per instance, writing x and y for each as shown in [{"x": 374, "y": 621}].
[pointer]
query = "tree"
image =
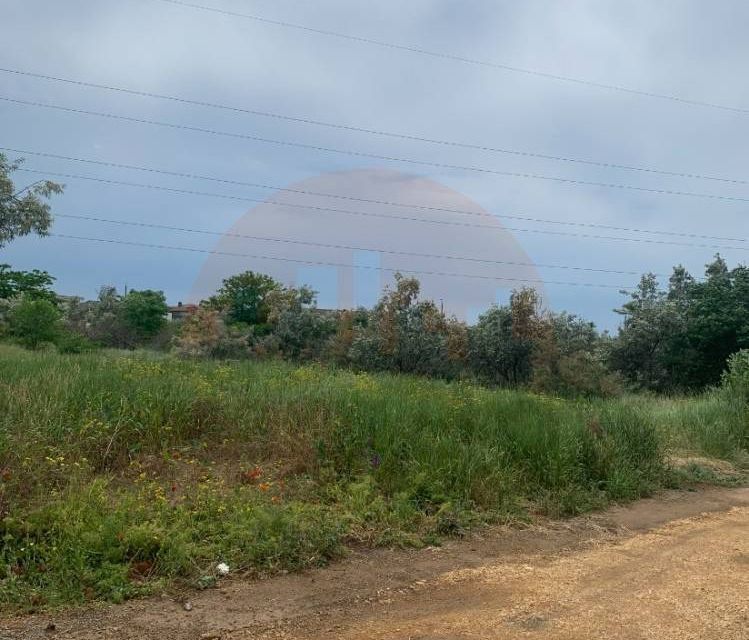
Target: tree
[
  {"x": 33, "y": 284},
  {"x": 34, "y": 322},
  {"x": 23, "y": 211},
  {"x": 573, "y": 334},
  {"x": 299, "y": 329},
  {"x": 144, "y": 312},
  {"x": 497, "y": 353},
  {"x": 717, "y": 321},
  {"x": 243, "y": 297},
  {"x": 682, "y": 339},
  {"x": 639, "y": 350},
  {"x": 99, "y": 320},
  {"x": 409, "y": 335}
]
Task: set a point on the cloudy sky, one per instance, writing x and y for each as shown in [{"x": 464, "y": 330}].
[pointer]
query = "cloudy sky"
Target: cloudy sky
[{"x": 681, "y": 48}]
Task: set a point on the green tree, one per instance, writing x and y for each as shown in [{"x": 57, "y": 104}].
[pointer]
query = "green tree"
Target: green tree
[
  {"x": 298, "y": 329},
  {"x": 34, "y": 322},
  {"x": 33, "y": 284},
  {"x": 573, "y": 334},
  {"x": 23, "y": 211},
  {"x": 681, "y": 339},
  {"x": 144, "y": 312},
  {"x": 409, "y": 335},
  {"x": 639, "y": 352},
  {"x": 243, "y": 298},
  {"x": 717, "y": 321},
  {"x": 497, "y": 353}
]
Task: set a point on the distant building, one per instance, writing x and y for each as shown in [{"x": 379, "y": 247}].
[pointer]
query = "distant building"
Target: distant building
[{"x": 181, "y": 312}]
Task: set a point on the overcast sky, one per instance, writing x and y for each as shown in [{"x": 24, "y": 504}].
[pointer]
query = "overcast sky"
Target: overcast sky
[{"x": 684, "y": 48}]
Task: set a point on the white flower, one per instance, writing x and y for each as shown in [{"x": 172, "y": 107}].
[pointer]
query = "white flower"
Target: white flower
[{"x": 222, "y": 568}]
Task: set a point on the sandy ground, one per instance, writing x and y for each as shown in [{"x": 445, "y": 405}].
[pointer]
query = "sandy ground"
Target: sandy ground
[{"x": 672, "y": 567}]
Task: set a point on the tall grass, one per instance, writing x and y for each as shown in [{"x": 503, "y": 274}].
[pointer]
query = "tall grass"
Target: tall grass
[{"x": 119, "y": 472}]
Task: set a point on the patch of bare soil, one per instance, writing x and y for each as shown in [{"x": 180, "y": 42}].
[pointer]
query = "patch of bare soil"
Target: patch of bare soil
[{"x": 671, "y": 567}]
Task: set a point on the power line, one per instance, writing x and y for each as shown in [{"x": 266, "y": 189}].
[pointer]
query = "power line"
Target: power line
[
  {"x": 358, "y": 129},
  {"x": 357, "y": 199},
  {"x": 376, "y": 215},
  {"x": 338, "y": 264},
  {"x": 375, "y": 156},
  {"x": 462, "y": 59},
  {"x": 150, "y": 225}
]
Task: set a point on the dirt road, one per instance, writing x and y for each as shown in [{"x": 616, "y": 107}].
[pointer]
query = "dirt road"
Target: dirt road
[{"x": 675, "y": 567}]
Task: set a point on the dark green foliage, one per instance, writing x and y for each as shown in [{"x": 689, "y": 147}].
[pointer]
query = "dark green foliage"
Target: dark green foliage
[
  {"x": 243, "y": 298},
  {"x": 34, "y": 321},
  {"x": 31, "y": 284},
  {"x": 144, "y": 312},
  {"x": 495, "y": 353},
  {"x": 680, "y": 339},
  {"x": 71, "y": 342}
]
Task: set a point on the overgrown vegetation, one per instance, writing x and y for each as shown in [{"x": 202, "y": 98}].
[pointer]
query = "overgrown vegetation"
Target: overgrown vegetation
[
  {"x": 121, "y": 473},
  {"x": 671, "y": 341},
  {"x": 265, "y": 433}
]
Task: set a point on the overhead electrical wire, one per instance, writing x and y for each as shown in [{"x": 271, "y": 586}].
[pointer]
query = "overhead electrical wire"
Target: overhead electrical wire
[
  {"x": 372, "y": 131},
  {"x": 338, "y": 264},
  {"x": 229, "y": 234},
  {"x": 483, "y": 214},
  {"x": 374, "y": 215},
  {"x": 457, "y": 58},
  {"x": 375, "y": 156}
]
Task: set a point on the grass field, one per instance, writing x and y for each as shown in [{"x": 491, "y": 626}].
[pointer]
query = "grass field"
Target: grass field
[{"x": 122, "y": 474}]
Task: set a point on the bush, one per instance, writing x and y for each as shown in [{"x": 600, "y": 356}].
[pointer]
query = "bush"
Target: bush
[
  {"x": 34, "y": 322},
  {"x": 70, "y": 342},
  {"x": 204, "y": 335},
  {"x": 580, "y": 374},
  {"x": 736, "y": 378},
  {"x": 496, "y": 354},
  {"x": 408, "y": 335},
  {"x": 300, "y": 330}
]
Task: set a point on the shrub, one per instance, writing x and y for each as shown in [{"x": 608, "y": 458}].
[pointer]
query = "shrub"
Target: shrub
[
  {"x": 71, "y": 342},
  {"x": 34, "y": 322},
  {"x": 580, "y": 374},
  {"x": 204, "y": 335},
  {"x": 736, "y": 377},
  {"x": 300, "y": 330},
  {"x": 408, "y": 335},
  {"x": 495, "y": 354}
]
